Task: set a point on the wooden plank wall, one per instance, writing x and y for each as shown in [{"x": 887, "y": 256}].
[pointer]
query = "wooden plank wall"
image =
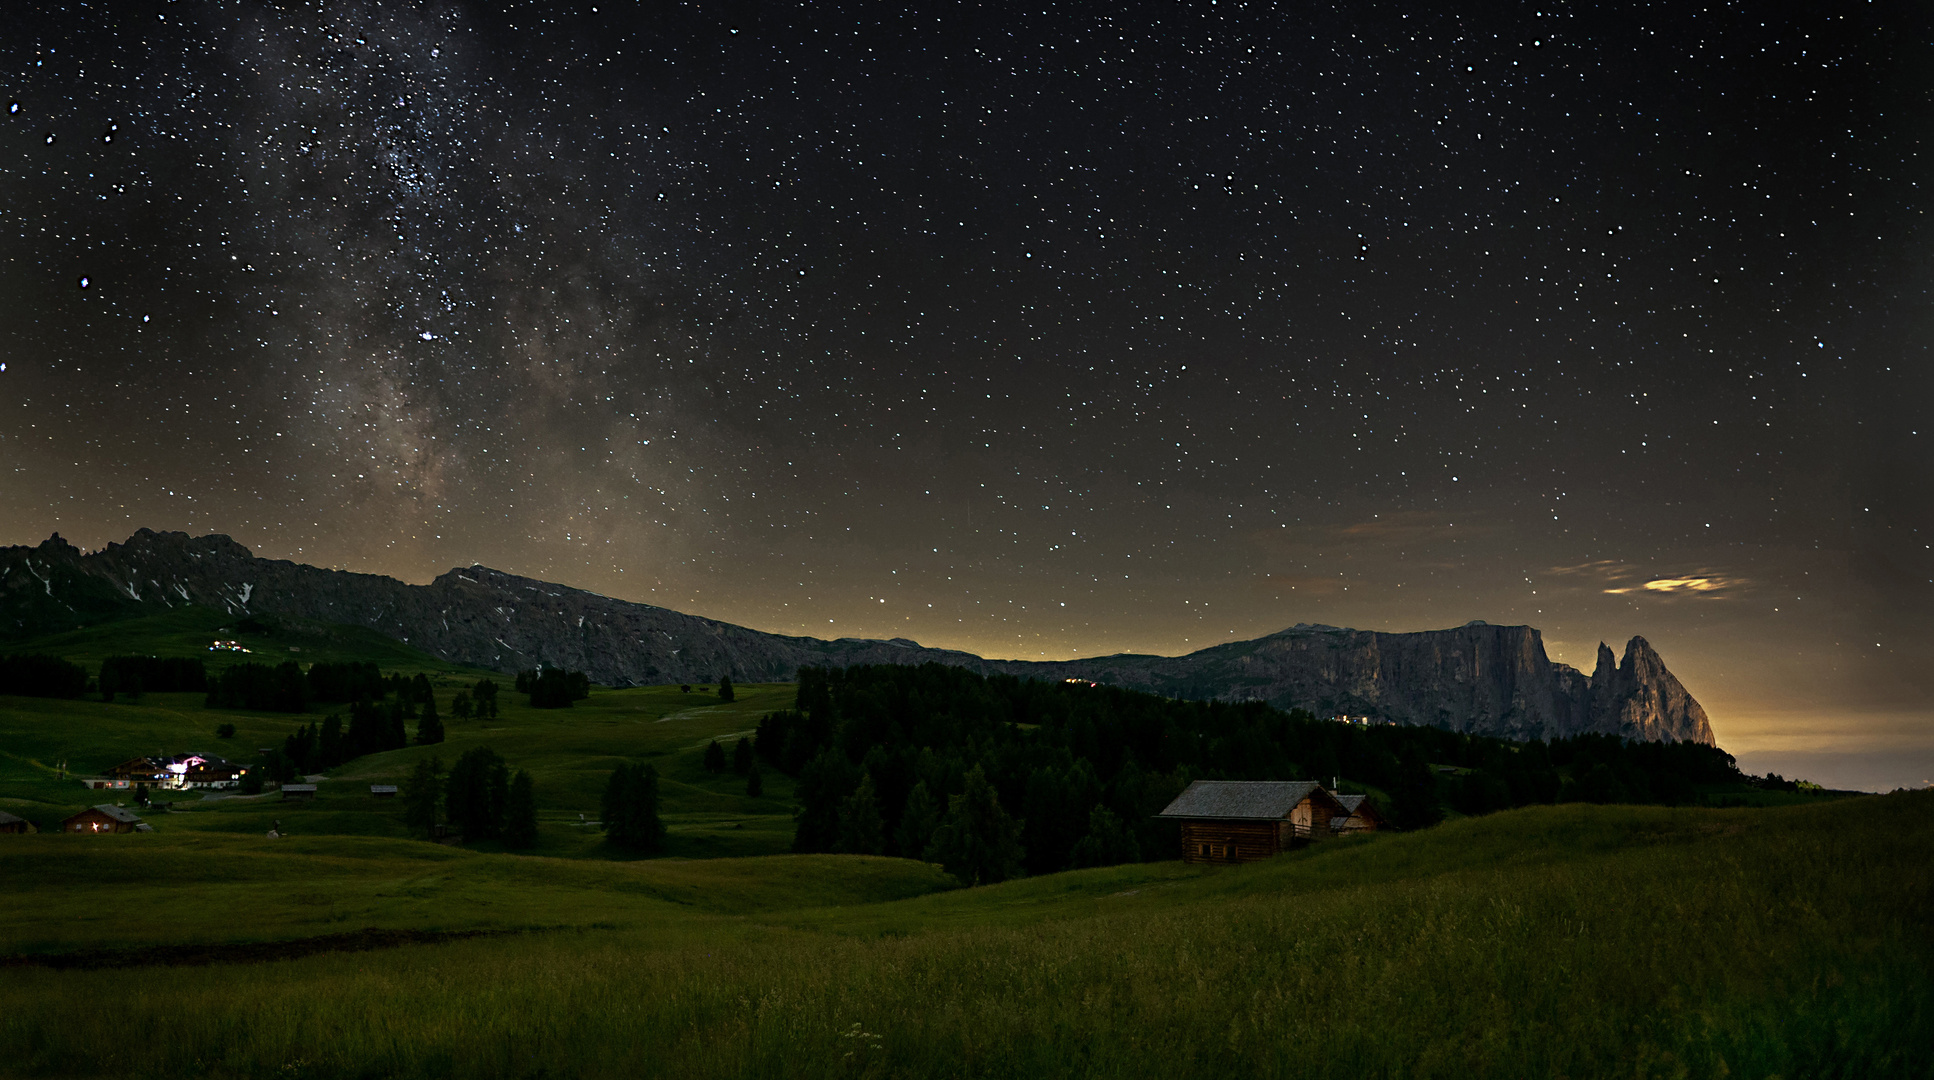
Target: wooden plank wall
[{"x": 1229, "y": 841}]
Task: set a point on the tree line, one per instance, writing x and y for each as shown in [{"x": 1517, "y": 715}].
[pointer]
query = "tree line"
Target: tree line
[
  {"x": 36, "y": 675},
  {"x": 135, "y": 675},
  {"x": 480, "y": 799},
  {"x": 376, "y": 723},
  {"x": 553, "y": 688},
  {"x": 995, "y": 776}
]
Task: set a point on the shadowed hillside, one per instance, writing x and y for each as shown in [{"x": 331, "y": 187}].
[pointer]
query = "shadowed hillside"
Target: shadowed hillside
[{"x": 1476, "y": 678}]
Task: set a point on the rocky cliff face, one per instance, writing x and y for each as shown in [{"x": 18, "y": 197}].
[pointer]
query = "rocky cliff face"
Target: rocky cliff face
[
  {"x": 1478, "y": 678},
  {"x": 1492, "y": 680}
]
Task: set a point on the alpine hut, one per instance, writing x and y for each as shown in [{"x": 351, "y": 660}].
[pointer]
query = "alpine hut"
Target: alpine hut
[
  {"x": 10, "y": 823},
  {"x": 1241, "y": 820},
  {"x": 1362, "y": 815},
  {"x": 106, "y": 818}
]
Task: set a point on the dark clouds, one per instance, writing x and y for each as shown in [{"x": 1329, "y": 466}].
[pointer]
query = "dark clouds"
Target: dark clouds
[{"x": 1059, "y": 330}]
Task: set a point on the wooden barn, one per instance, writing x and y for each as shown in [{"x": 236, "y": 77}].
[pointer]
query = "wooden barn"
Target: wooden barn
[
  {"x": 1241, "y": 820},
  {"x": 106, "y": 818},
  {"x": 10, "y": 823},
  {"x": 298, "y": 791},
  {"x": 1362, "y": 815},
  {"x": 135, "y": 773},
  {"x": 197, "y": 771}
]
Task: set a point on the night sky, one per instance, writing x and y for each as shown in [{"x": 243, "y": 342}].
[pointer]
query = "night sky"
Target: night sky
[{"x": 1041, "y": 332}]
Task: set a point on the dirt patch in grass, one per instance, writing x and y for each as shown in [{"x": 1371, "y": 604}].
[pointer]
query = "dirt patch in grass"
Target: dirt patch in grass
[{"x": 254, "y": 952}]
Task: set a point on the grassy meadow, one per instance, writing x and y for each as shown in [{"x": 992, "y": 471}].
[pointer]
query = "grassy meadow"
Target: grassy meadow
[
  {"x": 1551, "y": 941},
  {"x": 569, "y": 752}
]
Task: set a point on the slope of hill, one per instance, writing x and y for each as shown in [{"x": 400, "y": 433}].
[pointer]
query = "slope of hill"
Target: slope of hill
[
  {"x": 1552, "y": 941},
  {"x": 1478, "y": 678}
]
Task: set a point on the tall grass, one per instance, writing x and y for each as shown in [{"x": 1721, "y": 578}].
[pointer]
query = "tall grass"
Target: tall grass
[{"x": 1569, "y": 941}]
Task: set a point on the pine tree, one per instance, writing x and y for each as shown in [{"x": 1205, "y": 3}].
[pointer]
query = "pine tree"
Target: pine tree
[
  {"x": 755, "y": 785},
  {"x": 300, "y": 748},
  {"x": 396, "y": 736},
  {"x": 631, "y": 809},
  {"x": 917, "y": 822},
  {"x": 367, "y": 723},
  {"x": 497, "y": 784},
  {"x": 714, "y": 757},
  {"x": 429, "y": 729},
  {"x": 484, "y": 693},
  {"x": 1108, "y": 842},
  {"x": 460, "y": 705},
  {"x": 420, "y": 794},
  {"x": 742, "y": 756},
  {"x": 861, "y": 832},
  {"x": 1415, "y": 803},
  {"x": 725, "y": 688},
  {"x": 979, "y": 842},
  {"x": 329, "y": 750},
  {"x": 520, "y": 812},
  {"x": 824, "y": 785},
  {"x": 475, "y": 795}
]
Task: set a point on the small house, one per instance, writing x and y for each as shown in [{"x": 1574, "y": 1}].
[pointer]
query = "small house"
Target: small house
[
  {"x": 9, "y": 823},
  {"x": 196, "y": 771},
  {"x": 1362, "y": 815},
  {"x": 105, "y": 818},
  {"x": 382, "y": 791},
  {"x": 298, "y": 791},
  {"x": 134, "y": 773},
  {"x": 1242, "y": 820}
]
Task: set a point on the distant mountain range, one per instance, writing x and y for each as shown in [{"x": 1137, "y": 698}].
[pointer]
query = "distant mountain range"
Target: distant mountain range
[{"x": 1478, "y": 678}]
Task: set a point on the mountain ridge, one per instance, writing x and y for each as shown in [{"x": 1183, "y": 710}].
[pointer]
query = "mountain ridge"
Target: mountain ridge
[{"x": 1479, "y": 678}]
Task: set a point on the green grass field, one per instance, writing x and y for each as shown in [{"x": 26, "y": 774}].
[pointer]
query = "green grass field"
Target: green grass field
[
  {"x": 1576, "y": 941},
  {"x": 46, "y": 743},
  {"x": 1554, "y": 941},
  {"x": 569, "y": 752},
  {"x": 187, "y": 631}
]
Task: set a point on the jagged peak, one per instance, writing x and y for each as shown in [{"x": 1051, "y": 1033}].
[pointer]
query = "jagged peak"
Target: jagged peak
[
  {"x": 1309, "y": 628},
  {"x": 143, "y": 540},
  {"x": 1643, "y": 662}
]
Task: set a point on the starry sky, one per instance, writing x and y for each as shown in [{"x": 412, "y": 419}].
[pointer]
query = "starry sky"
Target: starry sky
[{"x": 1040, "y": 331}]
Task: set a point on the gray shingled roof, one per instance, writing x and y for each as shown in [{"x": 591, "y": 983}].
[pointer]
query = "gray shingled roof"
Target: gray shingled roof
[
  {"x": 1267, "y": 800},
  {"x": 1351, "y": 802},
  {"x": 118, "y": 813},
  {"x": 8, "y": 819}
]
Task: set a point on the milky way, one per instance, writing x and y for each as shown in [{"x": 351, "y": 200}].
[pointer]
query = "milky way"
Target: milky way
[{"x": 1037, "y": 332}]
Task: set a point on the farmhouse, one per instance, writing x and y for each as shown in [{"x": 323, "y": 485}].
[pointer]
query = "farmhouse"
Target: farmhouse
[
  {"x": 106, "y": 818},
  {"x": 179, "y": 772},
  {"x": 1240, "y": 820},
  {"x": 1362, "y": 816},
  {"x": 135, "y": 773},
  {"x": 198, "y": 771},
  {"x": 11, "y": 824}
]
